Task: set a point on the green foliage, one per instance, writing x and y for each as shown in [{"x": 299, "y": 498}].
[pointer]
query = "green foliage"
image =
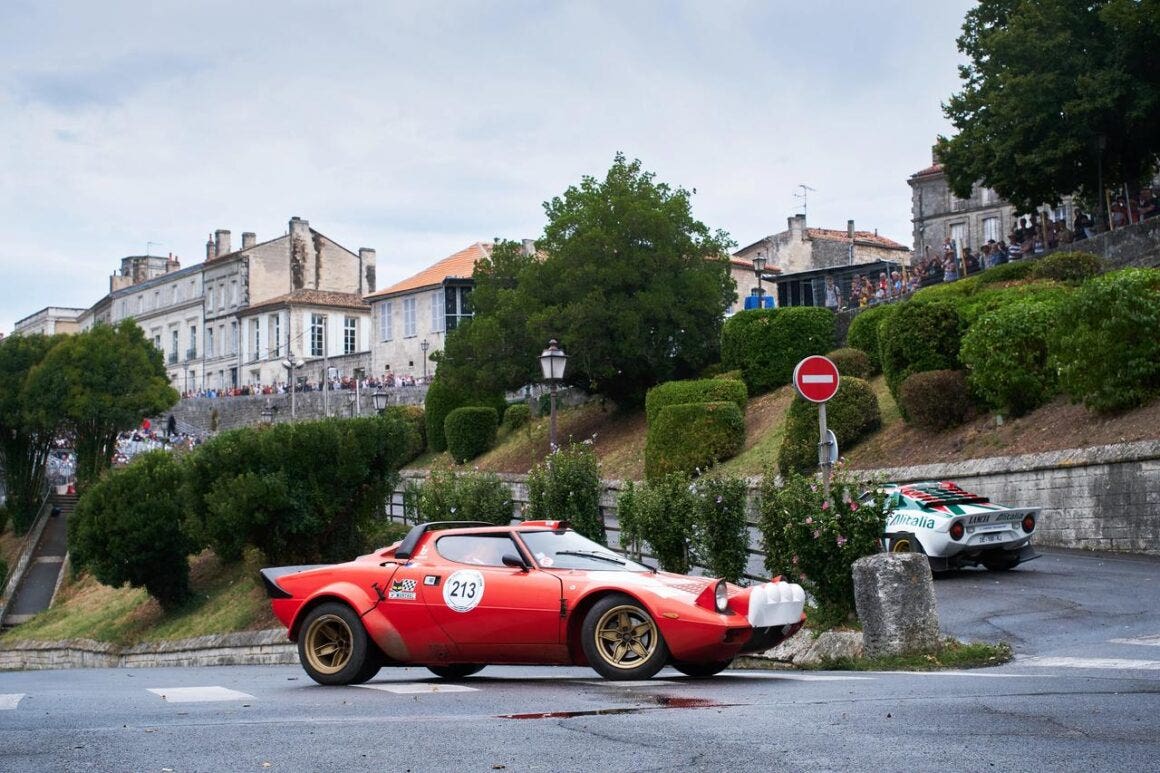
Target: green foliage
[
  {"x": 660, "y": 512},
  {"x": 301, "y": 492},
  {"x": 516, "y": 416},
  {"x": 442, "y": 398},
  {"x": 470, "y": 431},
  {"x": 919, "y": 337},
  {"x": 1070, "y": 267},
  {"x": 766, "y": 344},
  {"x": 1006, "y": 356},
  {"x": 3, "y": 571},
  {"x": 3, "y": 522},
  {"x": 127, "y": 528},
  {"x": 381, "y": 533},
  {"x": 566, "y": 486},
  {"x": 465, "y": 496},
  {"x": 814, "y": 540},
  {"x": 693, "y": 436},
  {"x": 1054, "y": 99},
  {"x": 706, "y": 390},
  {"x": 852, "y": 414},
  {"x": 935, "y": 399},
  {"x": 852, "y": 362},
  {"x": 415, "y": 420},
  {"x": 720, "y": 531},
  {"x": 1005, "y": 272},
  {"x": 1108, "y": 354},
  {"x": 863, "y": 332}
]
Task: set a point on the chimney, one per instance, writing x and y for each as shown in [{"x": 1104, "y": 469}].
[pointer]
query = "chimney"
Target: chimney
[
  {"x": 797, "y": 228},
  {"x": 299, "y": 228},
  {"x": 249, "y": 239},
  {"x": 221, "y": 238},
  {"x": 209, "y": 248},
  {"x": 529, "y": 247},
  {"x": 850, "y": 228},
  {"x": 366, "y": 267}
]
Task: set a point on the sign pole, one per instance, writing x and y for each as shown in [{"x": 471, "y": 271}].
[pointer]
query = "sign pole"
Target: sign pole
[
  {"x": 816, "y": 378},
  {"x": 824, "y": 450}
]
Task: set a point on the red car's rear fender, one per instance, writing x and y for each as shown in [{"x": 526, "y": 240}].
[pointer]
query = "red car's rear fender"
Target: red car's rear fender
[{"x": 354, "y": 596}]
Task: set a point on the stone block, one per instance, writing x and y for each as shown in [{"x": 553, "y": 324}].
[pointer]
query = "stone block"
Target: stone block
[
  {"x": 830, "y": 645},
  {"x": 894, "y": 596}
]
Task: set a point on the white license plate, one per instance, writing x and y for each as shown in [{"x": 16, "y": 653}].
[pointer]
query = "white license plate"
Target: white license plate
[{"x": 985, "y": 538}]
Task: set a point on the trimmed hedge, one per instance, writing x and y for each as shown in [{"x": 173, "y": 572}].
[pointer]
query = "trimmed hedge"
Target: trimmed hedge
[
  {"x": 863, "y": 332},
  {"x": 766, "y": 344},
  {"x": 517, "y": 415},
  {"x": 706, "y": 390},
  {"x": 1004, "y": 272},
  {"x": 936, "y": 399},
  {"x": 852, "y": 362},
  {"x": 693, "y": 436},
  {"x": 470, "y": 431},
  {"x": 415, "y": 420},
  {"x": 1070, "y": 267},
  {"x": 919, "y": 337},
  {"x": 441, "y": 400},
  {"x": 852, "y": 414}
]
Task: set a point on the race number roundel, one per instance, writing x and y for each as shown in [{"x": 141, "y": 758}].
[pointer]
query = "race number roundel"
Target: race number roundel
[
  {"x": 463, "y": 590},
  {"x": 816, "y": 378}
]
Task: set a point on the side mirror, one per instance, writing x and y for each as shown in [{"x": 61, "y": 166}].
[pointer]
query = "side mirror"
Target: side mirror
[{"x": 514, "y": 561}]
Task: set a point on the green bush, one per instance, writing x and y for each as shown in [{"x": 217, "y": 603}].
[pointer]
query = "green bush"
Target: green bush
[
  {"x": 1005, "y": 272},
  {"x": 852, "y": 362},
  {"x": 381, "y": 533},
  {"x": 1006, "y": 356},
  {"x": 852, "y": 414},
  {"x": 441, "y": 400},
  {"x": 766, "y": 344},
  {"x": 693, "y": 436},
  {"x": 720, "y": 531},
  {"x": 990, "y": 298},
  {"x": 465, "y": 496},
  {"x": 1069, "y": 267},
  {"x": 660, "y": 512},
  {"x": 128, "y": 528},
  {"x": 1108, "y": 354},
  {"x": 470, "y": 431},
  {"x": 566, "y": 486},
  {"x": 414, "y": 419},
  {"x": 919, "y": 337},
  {"x": 936, "y": 399},
  {"x": 706, "y": 390},
  {"x": 863, "y": 333},
  {"x": 814, "y": 540},
  {"x": 517, "y": 415}
]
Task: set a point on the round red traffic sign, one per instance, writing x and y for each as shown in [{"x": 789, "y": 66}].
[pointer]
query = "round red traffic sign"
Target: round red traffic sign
[{"x": 816, "y": 378}]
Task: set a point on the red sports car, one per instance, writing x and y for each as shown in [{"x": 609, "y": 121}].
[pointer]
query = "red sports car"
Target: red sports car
[{"x": 457, "y": 596}]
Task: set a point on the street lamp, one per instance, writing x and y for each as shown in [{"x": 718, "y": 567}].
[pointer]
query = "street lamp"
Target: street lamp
[
  {"x": 380, "y": 399},
  {"x": 552, "y": 364},
  {"x": 424, "y": 346},
  {"x": 758, "y": 269}
]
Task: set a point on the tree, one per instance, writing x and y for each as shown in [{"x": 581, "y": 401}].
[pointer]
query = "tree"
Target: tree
[
  {"x": 99, "y": 383},
  {"x": 1058, "y": 96},
  {"x": 25, "y": 439}
]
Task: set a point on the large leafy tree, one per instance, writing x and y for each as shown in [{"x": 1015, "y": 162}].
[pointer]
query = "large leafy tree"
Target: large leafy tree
[
  {"x": 99, "y": 383},
  {"x": 1057, "y": 94},
  {"x": 26, "y": 438}
]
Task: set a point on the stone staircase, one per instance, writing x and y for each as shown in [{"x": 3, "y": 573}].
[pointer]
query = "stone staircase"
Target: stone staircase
[{"x": 37, "y": 584}]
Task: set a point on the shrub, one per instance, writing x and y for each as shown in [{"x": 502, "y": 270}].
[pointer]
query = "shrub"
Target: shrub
[
  {"x": 706, "y": 390},
  {"x": 852, "y": 414},
  {"x": 852, "y": 362},
  {"x": 971, "y": 308},
  {"x": 936, "y": 399},
  {"x": 441, "y": 400},
  {"x": 919, "y": 337},
  {"x": 127, "y": 528},
  {"x": 661, "y": 513},
  {"x": 414, "y": 419},
  {"x": 470, "y": 431},
  {"x": 720, "y": 530},
  {"x": 1070, "y": 267},
  {"x": 1005, "y": 272},
  {"x": 766, "y": 344},
  {"x": 1006, "y": 356},
  {"x": 863, "y": 333},
  {"x": 465, "y": 496},
  {"x": 381, "y": 533},
  {"x": 693, "y": 436},
  {"x": 566, "y": 486},
  {"x": 516, "y": 416},
  {"x": 814, "y": 540},
  {"x": 1108, "y": 355}
]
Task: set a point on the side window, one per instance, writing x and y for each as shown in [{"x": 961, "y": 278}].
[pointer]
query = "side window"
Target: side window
[{"x": 477, "y": 549}]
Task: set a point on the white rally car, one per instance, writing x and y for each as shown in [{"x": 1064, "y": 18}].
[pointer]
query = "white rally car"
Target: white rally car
[{"x": 955, "y": 528}]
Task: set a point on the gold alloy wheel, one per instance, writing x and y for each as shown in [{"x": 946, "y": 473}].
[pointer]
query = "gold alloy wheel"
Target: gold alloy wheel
[
  {"x": 329, "y": 642},
  {"x": 901, "y": 545},
  {"x": 625, "y": 636}
]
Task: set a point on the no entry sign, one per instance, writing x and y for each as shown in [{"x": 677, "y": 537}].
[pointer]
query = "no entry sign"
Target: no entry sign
[{"x": 816, "y": 378}]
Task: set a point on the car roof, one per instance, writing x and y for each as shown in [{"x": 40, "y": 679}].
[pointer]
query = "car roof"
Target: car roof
[{"x": 406, "y": 548}]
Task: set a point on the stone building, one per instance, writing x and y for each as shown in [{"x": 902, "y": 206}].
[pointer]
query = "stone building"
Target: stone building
[
  {"x": 749, "y": 289},
  {"x": 50, "y": 321}
]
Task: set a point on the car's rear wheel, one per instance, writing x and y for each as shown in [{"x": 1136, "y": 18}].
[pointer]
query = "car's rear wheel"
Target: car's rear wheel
[
  {"x": 1001, "y": 563},
  {"x": 621, "y": 640},
  {"x": 333, "y": 646},
  {"x": 702, "y": 670},
  {"x": 455, "y": 670},
  {"x": 905, "y": 543}
]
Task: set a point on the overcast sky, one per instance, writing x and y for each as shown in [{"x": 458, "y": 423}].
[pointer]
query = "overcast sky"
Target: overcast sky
[{"x": 417, "y": 128}]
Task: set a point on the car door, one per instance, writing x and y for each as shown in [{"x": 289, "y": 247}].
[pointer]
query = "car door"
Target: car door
[{"x": 494, "y": 613}]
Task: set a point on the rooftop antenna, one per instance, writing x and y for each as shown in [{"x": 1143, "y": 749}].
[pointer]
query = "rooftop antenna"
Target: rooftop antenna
[
  {"x": 803, "y": 196},
  {"x": 149, "y": 246}
]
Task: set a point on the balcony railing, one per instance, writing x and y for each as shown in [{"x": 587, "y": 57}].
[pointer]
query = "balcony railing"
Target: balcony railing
[
  {"x": 172, "y": 358},
  {"x": 191, "y": 353}
]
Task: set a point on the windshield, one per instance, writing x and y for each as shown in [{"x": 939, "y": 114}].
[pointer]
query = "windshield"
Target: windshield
[{"x": 569, "y": 550}]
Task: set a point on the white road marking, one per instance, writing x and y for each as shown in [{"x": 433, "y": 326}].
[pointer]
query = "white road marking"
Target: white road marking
[
  {"x": 975, "y": 674},
  {"x": 818, "y": 678},
  {"x": 198, "y": 694},
  {"x": 10, "y": 700},
  {"x": 413, "y": 688},
  {"x": 49, "y": 560},
  {"x": 1108, "y": 663},
  {"x": 1147, "y": 641}
]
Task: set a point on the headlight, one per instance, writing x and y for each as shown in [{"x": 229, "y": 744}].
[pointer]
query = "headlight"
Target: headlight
[{"x": 721, "y": 596}]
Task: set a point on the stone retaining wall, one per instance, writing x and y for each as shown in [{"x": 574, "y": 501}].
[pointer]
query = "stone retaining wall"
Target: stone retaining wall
[{"x": 232, "y": 649}]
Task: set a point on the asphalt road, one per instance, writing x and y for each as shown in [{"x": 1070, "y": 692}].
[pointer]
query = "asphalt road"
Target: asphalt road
[{"x": 1084, "y": 694}]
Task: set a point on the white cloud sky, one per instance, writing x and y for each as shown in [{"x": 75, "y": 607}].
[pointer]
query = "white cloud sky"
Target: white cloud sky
[{"x": 417, "y": 128}]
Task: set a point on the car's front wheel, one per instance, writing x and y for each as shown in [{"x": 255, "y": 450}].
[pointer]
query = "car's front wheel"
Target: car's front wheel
[
  {"x": 455, "y": 670},
  {"x": 702, "y": 670},
  {"x": 621, "y": 640},
  {"x": 333, "y": 646}
]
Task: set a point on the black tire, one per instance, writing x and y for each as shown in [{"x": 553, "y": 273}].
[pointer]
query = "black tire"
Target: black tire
[
  {"x": 372, "y": 666},
  {"x": 905, "y": 543},
  {"x": 621, "y": 640},
  {"x": 455, "y": 670},
  {"x": 333, "y": 646},
  {"x": 1001, "y": 563},
  {"x": 702, "y": 670}
]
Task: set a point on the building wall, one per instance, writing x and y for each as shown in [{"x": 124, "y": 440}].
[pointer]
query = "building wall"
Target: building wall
[{"x": 397, "y": 350}]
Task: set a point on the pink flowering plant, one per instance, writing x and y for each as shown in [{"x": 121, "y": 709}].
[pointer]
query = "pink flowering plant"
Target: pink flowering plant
[{"x": 814, "y": 540}]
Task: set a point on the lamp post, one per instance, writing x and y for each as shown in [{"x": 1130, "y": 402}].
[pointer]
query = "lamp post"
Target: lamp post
[
  {"x": 758, "y": 269},
  {"x": 424, "y": 345},
  {"x": 552, "y": 364},
  {"x": 380, "y": 399}
]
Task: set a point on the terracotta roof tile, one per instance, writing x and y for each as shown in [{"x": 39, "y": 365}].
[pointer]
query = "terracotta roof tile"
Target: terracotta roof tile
[
  {"x": 865, "y": 237},
  {"x": 932, "y": 169},
  {"x": 459, "y": 265},
  {"x": 312, "y": 298}
]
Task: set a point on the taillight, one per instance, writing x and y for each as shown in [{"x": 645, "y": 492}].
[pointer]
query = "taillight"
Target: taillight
[
  {"x": 956, "y": 530},
  {"x": 1029, "y": 523}
]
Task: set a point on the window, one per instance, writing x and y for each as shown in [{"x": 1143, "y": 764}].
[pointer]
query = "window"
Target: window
[
  {"x": 174, "y": 294},
  {"x": 209, "y": 342},
  {"x": 988, "y": 196},
  {"x": 482, "y": 550},
  {"x": 209, "y": 300},
  {"x": 990, "y": 229},
  {"x": 458, "y": 305},
  {"x": 386, "y": 310},
  {"x": 173, "y": 349},
  {"x": 234, "y": 293},
  {"x": 409, "y": 317},
  {"x": 140, "y": 303},
  {"x": 274, "y": 326},
  {"x": 157, "y": 299},
  {"x": 234, "y": 337},
  {"x": 437, "y": 310},
  {"x": 124, "y": 308},
  {"x": 256, "y": 330},
  {"x": 349, "y": 335},
  {"x": 192, "y": 343},
  {"x": 317, "y": 334},
  {"x": 958, "y": 236},
  {"x": 222, "y": 295}
]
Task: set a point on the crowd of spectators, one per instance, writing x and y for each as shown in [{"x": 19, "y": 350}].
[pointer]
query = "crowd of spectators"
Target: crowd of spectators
[{"x": 386, "y": 381}]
